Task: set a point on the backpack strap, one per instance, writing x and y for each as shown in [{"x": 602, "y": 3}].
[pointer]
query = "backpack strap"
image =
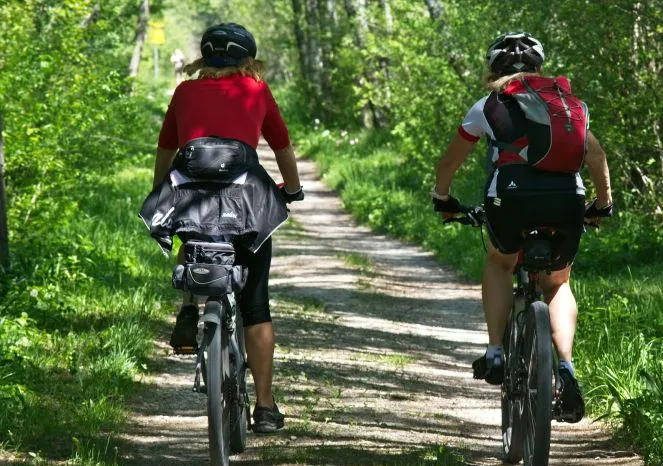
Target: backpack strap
[{"x": 506, "y": 146}]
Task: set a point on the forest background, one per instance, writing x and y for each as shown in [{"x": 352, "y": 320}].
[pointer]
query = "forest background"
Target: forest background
[{"x": 373, "y": 90}]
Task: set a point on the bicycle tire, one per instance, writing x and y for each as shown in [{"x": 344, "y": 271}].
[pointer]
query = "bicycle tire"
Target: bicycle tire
[
  {"x": 537, "y": 413},
  {"x": 512, "y": 399},
  {"x": 239, "y": 412},
  {"x": 238, "y": 419},
  {"x": 218, "y": 376}
]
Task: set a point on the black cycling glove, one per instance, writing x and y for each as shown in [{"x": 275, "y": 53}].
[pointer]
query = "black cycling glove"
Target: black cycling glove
[
  {"x": 592, "y": 212},
  {"x": 450, "y": 206},
  {"x": 292, "y": 197}
]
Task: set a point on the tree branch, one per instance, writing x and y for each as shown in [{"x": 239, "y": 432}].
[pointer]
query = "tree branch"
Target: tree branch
[{"x": 141, "y": 33}]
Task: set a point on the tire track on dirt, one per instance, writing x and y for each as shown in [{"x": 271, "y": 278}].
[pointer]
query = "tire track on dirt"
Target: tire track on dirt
[{"x": 375, "y": 342}]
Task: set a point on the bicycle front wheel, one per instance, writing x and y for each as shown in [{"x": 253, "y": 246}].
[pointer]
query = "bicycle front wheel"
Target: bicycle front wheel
[
  {"x": 537, "y": 414},
  {"x": 218, "y": 378}
]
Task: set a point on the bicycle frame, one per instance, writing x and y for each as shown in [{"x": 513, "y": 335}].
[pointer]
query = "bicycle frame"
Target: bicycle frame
[{"x": 527, "y": 286}]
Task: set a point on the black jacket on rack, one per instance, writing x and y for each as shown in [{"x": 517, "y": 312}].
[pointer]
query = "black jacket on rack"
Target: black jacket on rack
[{"x": 250, "y": 206}]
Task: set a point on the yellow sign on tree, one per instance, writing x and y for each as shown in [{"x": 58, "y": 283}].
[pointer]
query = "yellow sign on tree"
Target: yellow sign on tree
[{"x": 155, "y": 33}]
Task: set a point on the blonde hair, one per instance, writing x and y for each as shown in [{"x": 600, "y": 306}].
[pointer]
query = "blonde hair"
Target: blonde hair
[
  {"x": 249, "y": 66},
  {"x": 498, "y": 83}
]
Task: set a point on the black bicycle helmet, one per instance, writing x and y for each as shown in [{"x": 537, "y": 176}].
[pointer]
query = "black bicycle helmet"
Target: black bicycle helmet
[
  {"x": 514, "y": 52},
  {"x": 226, "y": 44}
]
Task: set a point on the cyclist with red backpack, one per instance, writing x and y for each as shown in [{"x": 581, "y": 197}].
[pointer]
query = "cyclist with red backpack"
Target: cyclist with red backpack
[{"x": 538, "y": 137}]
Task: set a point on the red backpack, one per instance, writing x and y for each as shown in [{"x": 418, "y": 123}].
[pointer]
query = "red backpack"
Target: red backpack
[{"x": 556, "y": 120}]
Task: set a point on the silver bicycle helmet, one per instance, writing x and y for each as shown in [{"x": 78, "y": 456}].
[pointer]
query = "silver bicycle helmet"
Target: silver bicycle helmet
[{"x": 514, "y": 52}]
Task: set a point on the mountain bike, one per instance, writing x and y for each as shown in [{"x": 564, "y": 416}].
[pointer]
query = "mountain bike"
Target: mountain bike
[
  {"x": 530, "y": 395},
  {"x": 209, "y": 271}
]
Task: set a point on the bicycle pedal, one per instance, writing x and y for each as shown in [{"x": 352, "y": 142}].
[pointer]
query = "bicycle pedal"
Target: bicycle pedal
[{"x": 185, "y": 349}]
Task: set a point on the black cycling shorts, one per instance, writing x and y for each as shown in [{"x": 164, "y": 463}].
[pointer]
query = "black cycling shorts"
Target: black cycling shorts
[
  {"x": 508, "y": 216},
  {"x": 254, "y": 298}
]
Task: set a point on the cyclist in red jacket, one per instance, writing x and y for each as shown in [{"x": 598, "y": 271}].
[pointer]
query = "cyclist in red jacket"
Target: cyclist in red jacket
[
  {"x": 519, "y": 196},
  {"x": 229, "y": 100}
]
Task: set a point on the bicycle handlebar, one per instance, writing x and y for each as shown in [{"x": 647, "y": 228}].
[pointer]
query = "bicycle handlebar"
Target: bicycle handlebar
[
  {"x": 470, "y": 215},
  {"x": 476, "y": 216}
]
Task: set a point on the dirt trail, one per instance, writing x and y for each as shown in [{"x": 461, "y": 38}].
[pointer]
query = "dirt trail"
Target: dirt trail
[{"x": 375, "y": 342}]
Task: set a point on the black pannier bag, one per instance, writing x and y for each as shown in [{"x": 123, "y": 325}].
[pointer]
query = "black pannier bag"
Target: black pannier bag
[
  {"x": 209, "y": 269},
  {"x": 215, "y": 159}
]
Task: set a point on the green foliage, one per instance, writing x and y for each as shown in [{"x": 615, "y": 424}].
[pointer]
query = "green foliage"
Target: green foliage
[
  {"x": 424, "y": 74},
  {"x": 626, "y": 375},
  {"x": 78, "y": 308}
]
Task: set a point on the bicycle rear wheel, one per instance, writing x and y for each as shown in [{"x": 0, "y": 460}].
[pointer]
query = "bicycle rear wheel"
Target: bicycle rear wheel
[
  {"x": 218, "y": 378},
  {"x": 512, "y": 394},
  {"x": 537, "y": 414}
]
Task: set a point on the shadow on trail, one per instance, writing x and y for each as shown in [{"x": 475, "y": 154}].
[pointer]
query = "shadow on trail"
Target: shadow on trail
[
  {"x": 422, "y": 311},
  {"x": 343, "y": 455},
  {"x": 333, "y": 336}
]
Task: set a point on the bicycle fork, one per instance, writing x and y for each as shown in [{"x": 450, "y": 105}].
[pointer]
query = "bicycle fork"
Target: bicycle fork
[{"x": 222, "y": 311}]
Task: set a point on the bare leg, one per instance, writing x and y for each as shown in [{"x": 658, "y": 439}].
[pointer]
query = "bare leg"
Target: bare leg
[
  {"x": 563, "y": 310},
  {"x": 497, "y": 292},
  {"x": 260, "y": 353}
]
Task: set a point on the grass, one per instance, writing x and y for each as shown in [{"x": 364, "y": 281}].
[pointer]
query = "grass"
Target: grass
[
  {"x": 397, "y": 361},
  {"x": 358, "y": 261},
  {"x": 618, "y": 287},
  {"x": 78, "y": 325}
]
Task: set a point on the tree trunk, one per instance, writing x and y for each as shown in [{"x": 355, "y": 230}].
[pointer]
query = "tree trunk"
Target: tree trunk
[
  {"x": 141, "y": 33},
  {"x": 371, "y": 114},
  {"x": 351, "y": 9},
  {"x": 384, "y": 64},
  {"x": 300, "y": 38},
  {"x": 388, "y": 17},
  {"x": 327, "y": 32},
  {"x": 333, "y": 15},
  {"x": 92, "y": 17},
  {"x": 4, "y": 232},
  {"x": 314, "y": 50}
]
